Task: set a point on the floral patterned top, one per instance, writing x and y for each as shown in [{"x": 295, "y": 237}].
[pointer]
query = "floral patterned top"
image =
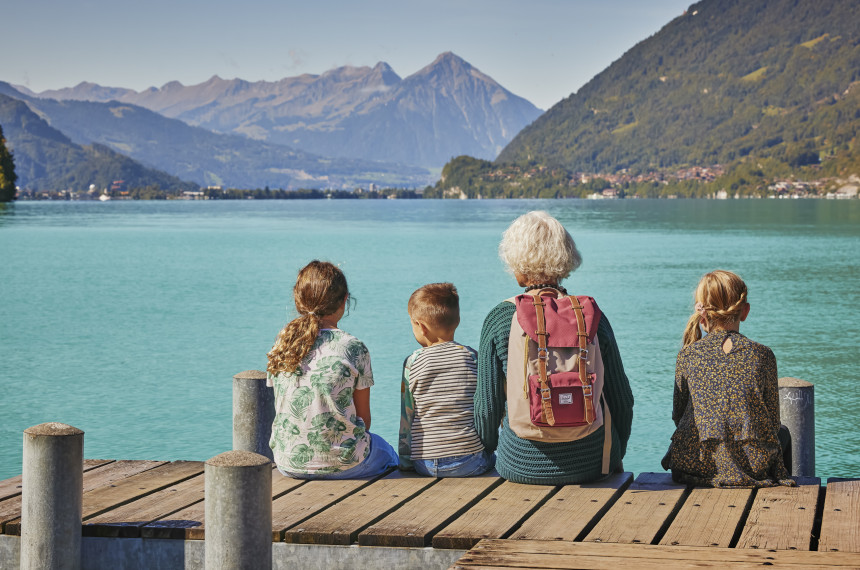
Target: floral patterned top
[
  {"x": 726, "y": 409},
  {"x": 316, "y": 429}
]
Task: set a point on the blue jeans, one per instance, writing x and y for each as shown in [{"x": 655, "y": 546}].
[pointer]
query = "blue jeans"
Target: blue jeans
[
  {"x": 459, "y": 466},
  {"x": 381, "y": 458}
]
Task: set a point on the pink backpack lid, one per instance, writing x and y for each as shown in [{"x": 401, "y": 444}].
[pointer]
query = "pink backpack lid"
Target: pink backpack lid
[{"x": 560, "y": 318}]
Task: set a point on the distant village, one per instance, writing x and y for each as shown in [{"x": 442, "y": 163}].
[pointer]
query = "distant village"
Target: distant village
[
  {"x": 603, "y": 186},
  {"x": 613, "y": 186}
]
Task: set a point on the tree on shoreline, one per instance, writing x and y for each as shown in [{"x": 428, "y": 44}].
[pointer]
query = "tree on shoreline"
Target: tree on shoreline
[{"x": 7, "y": 172}]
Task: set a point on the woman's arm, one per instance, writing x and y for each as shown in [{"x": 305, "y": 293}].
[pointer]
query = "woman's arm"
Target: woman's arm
[
  {"x": 361, "y": 399},
  {"x": 616, "y": 386},
  {"x": 490, "y": 392}
]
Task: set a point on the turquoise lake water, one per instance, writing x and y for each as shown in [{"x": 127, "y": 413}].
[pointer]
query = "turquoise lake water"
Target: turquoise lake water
[{"x": 129, "y": 319}]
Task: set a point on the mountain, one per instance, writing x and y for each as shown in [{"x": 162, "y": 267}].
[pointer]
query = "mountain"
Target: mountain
[
  {"x": 446, "y": 109},
  {"x": 194, "y": 153},
  {"x": 727, "y": 80},
  {"x": 45, "y": 158}
]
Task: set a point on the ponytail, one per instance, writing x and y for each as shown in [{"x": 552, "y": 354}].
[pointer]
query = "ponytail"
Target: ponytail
[
  {"x": 693, "y": 332},
  {"x": 720, "y": 299},
  {"x": 320, "y": 290},
  {"x": 294, "y": 342}
]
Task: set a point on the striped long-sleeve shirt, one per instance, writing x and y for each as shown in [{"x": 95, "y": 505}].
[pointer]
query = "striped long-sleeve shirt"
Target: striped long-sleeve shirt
[{"x": 441, "y": 381}]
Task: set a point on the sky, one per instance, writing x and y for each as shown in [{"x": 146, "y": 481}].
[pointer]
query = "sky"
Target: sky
[{"x": 542, "y": 50}]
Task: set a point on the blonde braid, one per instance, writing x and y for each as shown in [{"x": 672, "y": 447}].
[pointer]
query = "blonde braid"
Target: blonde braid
[{"x": 722, "y": 295}]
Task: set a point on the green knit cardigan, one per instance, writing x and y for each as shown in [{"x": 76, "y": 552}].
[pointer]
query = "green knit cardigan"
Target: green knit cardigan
[{"x": 536, "y": 462}]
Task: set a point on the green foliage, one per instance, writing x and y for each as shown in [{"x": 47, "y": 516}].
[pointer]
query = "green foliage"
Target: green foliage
[
  {"x": 7, "y": 172},
  {"x": 773, "y": 79}
]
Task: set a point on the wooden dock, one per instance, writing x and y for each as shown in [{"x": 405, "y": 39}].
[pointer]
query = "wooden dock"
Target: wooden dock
[{"x": 486, "y": 522}]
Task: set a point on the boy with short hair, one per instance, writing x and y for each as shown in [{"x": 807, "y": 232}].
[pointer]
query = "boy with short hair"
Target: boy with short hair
[{"x": 437, "y": 426}]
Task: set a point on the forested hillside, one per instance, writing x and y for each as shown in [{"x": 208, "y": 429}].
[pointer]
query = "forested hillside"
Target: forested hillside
[
  {"x": 727, "y": 81},
  {"x": 45, "y": 158}
]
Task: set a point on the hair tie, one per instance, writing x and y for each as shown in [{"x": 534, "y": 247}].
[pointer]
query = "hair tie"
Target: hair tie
[{"x": 699, "y": 308}]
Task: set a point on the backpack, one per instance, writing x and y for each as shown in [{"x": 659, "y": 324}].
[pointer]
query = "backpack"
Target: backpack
[{"x": 555, "y": 370}]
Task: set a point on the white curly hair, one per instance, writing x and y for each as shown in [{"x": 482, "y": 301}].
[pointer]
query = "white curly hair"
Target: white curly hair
[{"x": 537, "y": 247}]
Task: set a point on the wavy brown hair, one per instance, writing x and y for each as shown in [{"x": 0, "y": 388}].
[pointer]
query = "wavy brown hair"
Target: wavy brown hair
[
  {"x": 320, "y": 290},
  {"x": 723, "y": 295}
]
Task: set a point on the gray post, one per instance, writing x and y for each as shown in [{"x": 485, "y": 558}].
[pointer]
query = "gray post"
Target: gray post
[
  {"x": 238, "y": 508},
  {"x": 53, "y": 481},
  {"x": 797, "y": 412},
  {"x": 253, "y": 413}
]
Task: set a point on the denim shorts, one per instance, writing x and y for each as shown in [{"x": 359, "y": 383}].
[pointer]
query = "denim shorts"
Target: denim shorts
[
  {"x": 381, "y": 458},
  {"x": 459, "y": 466}
]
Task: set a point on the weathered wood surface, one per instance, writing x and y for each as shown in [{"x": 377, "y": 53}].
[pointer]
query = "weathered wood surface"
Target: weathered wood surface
[
  {"x": 540, "y": 554},
  {"x": 127, "y": 520},
  {"x": 342, "y": 521},
  {"x": 709, "y": 517},
  {"x": 188, "y": 522},
  {"x": 156, "y": 499},
  {"x": 415, "y": 524},
  {"x": 782, "y": 518},
  {"x": 840, "y": 524},
  {"x": 642, "y": 512},
  {"x": 574, "y": 510},
  {"x": 99, "y": 476},
  {"x": 308, "y": 500},
  {"x": 495, "y": 516},
  {"x": 12, "y": 487}
]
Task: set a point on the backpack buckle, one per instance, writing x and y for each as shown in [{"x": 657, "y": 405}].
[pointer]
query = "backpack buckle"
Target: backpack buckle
[
  {"x": 586, "y": 391},
  {"x": 583, "y": 353},
  {"x": 545, "y": 394},
  {"x": 542, "y": 353}
]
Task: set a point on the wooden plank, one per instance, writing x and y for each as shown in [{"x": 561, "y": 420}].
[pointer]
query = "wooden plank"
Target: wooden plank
[
  {"x": 495, "y": 516},
  {"x": 558, "y": 555},
  {"x": 642, "y": 512},
  {"x": 310, "y": 499},
  {"x": 186, "y": 524},
  {"x": 840, "y": 525},
  {"x": 10, "y": 509},
  {"x": 709, "y": 517},
  {"x": 189, "y": 523},
  {"x": 12, "y": 487},
  {"x": 415, "y": 523},
  {"x": 341, "y": 522},
  {"x": 574, "y": 510},
  {"x": 782, "y": 518},
  {"x": 127, "y": 520}
]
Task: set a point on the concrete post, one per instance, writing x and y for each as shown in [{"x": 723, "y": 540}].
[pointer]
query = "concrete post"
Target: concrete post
[
  {"x": 797, "y": 412},
  {"x": 238, "y": 511},
  {"x": 53, "y": 481},
  {"x": 253, "y": 413}
]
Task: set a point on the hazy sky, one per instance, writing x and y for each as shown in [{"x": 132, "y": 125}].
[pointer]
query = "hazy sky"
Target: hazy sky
[{"x": 542, "y": 50}]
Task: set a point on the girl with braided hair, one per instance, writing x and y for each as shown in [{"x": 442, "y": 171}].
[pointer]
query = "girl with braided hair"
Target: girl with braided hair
[
  {"x": 726, "y": 400},
  {"x": 322, "y": 379}
]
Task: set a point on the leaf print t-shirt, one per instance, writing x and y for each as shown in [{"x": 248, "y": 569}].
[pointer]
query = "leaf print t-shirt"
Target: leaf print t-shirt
[{"x": 316, "y": 429}]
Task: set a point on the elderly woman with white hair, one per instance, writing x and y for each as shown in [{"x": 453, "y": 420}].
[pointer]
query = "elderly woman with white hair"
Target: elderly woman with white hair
[{"x": 541, "y": 253}]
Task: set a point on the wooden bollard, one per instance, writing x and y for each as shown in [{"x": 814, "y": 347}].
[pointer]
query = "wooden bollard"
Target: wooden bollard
[
  {"x": 253, "y": 413},
  {"x": 797, "y": 412},
  {"x": 238, "y": 511},
  {"x": 52, "y": 491}
]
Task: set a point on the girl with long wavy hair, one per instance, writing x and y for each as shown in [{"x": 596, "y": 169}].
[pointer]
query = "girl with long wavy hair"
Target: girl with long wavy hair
[{"x": 322, "y": 378}]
